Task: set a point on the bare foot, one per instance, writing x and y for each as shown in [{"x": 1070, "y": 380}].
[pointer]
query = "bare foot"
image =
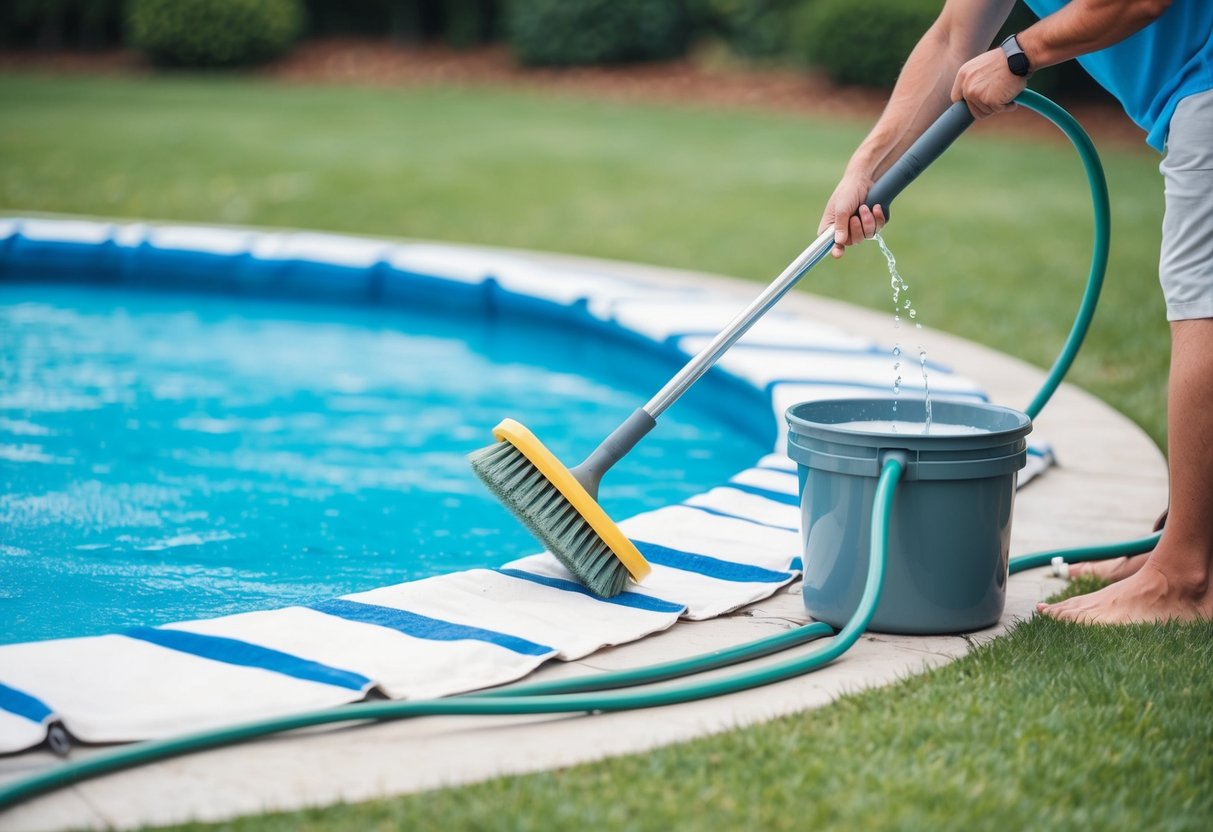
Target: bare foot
[
  {"x": 1148, "y": 595},
  {"x": 1116, "y": 569}
]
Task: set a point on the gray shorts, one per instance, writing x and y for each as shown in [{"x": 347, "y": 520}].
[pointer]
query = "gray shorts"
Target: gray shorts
[{"x": 1185, "y": 268}]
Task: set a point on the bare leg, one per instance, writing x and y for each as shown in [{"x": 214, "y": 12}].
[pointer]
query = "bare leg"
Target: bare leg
[
  {"x": 1116, "y": 569},
  {"x": 1174, "y": 581}
]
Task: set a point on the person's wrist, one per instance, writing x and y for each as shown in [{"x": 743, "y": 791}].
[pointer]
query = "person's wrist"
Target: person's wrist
[
  {"x": 859, "y": 169},
  {"x": 1017, "y": 60}
]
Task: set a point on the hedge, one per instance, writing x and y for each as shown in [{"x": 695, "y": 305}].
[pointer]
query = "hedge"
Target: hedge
[
  {"x": 750, "y": 28},
  {"x": 213, "y": 33},
  {"x": 863, "y": 43},
  {"x": 571, "y": 32}
]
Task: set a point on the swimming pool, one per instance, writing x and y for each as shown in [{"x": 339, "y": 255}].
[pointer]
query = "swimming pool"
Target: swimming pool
[
  {"x": 180, "y": 454},
  {"x": 715, "y": 552}
]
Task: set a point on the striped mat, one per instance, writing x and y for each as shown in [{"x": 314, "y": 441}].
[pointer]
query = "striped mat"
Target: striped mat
[{"x": 716, "y": 552}]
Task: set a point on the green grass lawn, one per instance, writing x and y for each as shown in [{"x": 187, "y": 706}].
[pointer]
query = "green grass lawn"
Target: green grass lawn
[{"x": 1051, "y": 726}]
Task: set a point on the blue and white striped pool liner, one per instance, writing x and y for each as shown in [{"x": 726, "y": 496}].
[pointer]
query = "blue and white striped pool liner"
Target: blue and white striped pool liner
[
  {"x": 512, "y": 600},
  {"x": 720, "y": 550},
  {"x": 116, "y": 688},
  {"x": 24, "y": 719},
  {"x": 702, "y": 317},
  {"x": 443, "y": 656}
]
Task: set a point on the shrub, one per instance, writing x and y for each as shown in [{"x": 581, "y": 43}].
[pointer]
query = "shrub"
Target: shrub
[
  {"x": 460, "y": 23},
  {"x": 468, "y": 22},
  {"x": 569, "y": 32},
  {"x": 862, "y": 43},
  {"x": 59, "y": 24},
  {"x": 750, "y": 28},
  {"x": 360, "y": 17},
  {"x": 213, "y": 33}
]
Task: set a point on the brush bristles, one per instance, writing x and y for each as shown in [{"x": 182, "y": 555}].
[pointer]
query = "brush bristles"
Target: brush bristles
[{"x": 524, "y": 490}]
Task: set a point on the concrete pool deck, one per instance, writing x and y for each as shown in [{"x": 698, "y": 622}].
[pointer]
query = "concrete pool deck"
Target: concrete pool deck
[{"x": 1109, "y": 484}]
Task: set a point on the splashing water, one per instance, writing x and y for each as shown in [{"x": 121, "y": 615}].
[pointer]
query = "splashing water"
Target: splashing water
[{"x": 902, "y": 304}]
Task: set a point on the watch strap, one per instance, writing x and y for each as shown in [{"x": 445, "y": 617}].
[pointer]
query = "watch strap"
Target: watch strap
[{"x": 1017, "y": 61}]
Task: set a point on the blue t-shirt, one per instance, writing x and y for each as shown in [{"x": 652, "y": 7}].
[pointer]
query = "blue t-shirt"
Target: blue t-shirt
[{"x": 1156, "y": 67}]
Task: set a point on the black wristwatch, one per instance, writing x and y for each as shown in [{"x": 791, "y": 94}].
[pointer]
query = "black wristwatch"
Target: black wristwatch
[{"x": 1017, "y": 61}]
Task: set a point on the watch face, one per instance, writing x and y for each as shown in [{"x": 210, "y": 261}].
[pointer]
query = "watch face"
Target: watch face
[{"x": 1017, "y": 61}]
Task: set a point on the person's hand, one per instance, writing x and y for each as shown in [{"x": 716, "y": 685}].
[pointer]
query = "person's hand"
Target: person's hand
[
  {"x": 853, "y": 221},
  {"x": 987, "y": 84}
]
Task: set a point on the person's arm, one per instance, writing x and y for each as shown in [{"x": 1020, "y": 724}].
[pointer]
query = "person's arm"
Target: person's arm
[
  {"x": 963, "y": 29},
  {"x": 1077, "y": 28},
  {"x": 953, "y": 55}
]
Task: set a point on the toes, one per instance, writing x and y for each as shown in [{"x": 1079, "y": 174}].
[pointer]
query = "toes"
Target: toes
[{"x": 1071, "y": 609}]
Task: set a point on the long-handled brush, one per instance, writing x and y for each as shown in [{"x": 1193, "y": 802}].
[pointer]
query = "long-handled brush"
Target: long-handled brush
[{"x": 559, "y": 505}]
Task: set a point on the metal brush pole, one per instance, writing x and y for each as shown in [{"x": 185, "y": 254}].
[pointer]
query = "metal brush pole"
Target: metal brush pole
[{"x": 709, "y": 355}]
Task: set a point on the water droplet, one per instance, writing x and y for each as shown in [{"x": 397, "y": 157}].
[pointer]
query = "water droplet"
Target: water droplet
[{"x": 900, "y": 287}]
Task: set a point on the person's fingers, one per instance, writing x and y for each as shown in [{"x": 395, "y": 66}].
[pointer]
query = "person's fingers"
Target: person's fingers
[
  {"x": 853, "y": 222},
  {"x": 867, "y": 222},
  {"x": 842, "y": 236},
  {"x": 856, "y": 230},
  {"x": 828, "y": 213},
  {"x": 878, "y": 214},
  {"x": 842, "y": 224}
]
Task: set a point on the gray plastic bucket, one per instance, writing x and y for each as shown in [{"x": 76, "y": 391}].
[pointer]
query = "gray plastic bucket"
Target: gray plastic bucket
[{"x": 951, "y": 519}]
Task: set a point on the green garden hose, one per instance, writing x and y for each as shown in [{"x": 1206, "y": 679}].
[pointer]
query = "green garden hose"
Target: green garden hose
[
  {"x": 1102, "y": 212},
  {"x": 1126, "y": 548},
  {"x": 600, "y": 693},
  {"x": 1099, "y": 247},
  {"x": 147, "y": 752}
]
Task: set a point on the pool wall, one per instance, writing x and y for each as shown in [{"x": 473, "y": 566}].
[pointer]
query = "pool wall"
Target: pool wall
[
  {"x": 728, "y": 547},
  {"x": 325, "y": 268}
]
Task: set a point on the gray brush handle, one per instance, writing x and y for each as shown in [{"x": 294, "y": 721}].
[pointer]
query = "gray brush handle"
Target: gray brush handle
[
  {"x": 612, "y": 449},
  {"x": 926, "y": 149}
]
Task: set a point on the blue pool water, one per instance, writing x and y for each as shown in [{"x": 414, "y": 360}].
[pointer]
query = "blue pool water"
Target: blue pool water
[{"x": 172, "y": 456}]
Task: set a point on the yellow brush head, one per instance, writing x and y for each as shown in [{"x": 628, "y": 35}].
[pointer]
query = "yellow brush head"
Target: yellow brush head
[{"x": 575, "y": 494}]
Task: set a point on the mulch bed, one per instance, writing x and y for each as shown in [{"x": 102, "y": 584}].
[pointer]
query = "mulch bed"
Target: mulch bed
[{"x": 719, "y": 84}]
